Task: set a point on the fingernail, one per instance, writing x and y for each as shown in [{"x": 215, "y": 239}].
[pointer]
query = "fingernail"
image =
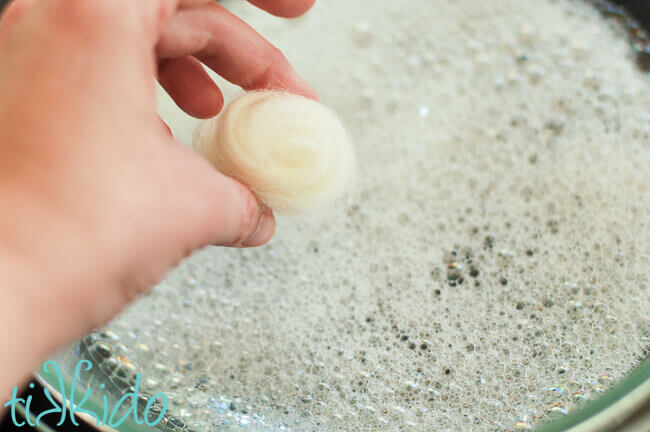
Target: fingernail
[{"x": 263, "y": 233}]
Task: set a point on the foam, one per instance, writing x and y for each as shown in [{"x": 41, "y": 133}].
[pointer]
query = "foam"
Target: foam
[{"x": 516, "y": 135}]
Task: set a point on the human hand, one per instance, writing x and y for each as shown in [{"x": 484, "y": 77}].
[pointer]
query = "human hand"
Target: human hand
[{"x": 97, "y": 200}]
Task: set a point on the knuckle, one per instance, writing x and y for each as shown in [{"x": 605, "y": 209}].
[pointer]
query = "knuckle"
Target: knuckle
[
  {"x": 96, "y": 18},
  {"x": 275, "y": 61},
  {"x": 275, "y": 55},
  {"x": 275, "y": 58}
]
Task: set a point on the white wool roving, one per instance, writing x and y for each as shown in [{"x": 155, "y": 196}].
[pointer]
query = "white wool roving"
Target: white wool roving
[{"x": 293, "y": 152}]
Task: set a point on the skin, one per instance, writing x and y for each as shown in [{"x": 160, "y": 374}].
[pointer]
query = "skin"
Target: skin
[{"x": 97, "y": 199}]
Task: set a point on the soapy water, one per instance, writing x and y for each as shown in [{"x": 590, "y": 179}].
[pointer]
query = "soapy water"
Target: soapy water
[{"x": 494, "y": 271}]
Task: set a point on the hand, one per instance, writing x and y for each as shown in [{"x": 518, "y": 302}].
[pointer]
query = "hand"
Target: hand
[{"x": 97, "y": 200}]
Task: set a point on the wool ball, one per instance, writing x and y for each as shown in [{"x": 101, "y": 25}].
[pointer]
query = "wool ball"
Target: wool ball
[{"x": 292, "y": 152}]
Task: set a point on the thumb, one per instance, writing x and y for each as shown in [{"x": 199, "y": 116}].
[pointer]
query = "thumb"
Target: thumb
[
  {"x": 226, "y": 213},
  {"x": 238, "y": 218}
]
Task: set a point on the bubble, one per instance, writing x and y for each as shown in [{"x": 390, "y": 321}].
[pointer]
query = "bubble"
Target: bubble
[{"x": 491, "y": 272}]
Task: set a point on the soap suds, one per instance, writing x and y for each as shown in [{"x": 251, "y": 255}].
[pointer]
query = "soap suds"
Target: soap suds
[{"x": 495, "y": 270}]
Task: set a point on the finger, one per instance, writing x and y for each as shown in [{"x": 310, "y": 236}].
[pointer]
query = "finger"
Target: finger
[
  {"x": 284, "y": 8},
  {"x": 190, "y": 86},
  {"x": 13, "y": 13},
  {"x": 228, "y": 213},
  {"x": 236, "y": 217},
  {"x": 193, "y": 3},
  {"x": 231, "y": 48},
  {"x": 154, "y": 13}
]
